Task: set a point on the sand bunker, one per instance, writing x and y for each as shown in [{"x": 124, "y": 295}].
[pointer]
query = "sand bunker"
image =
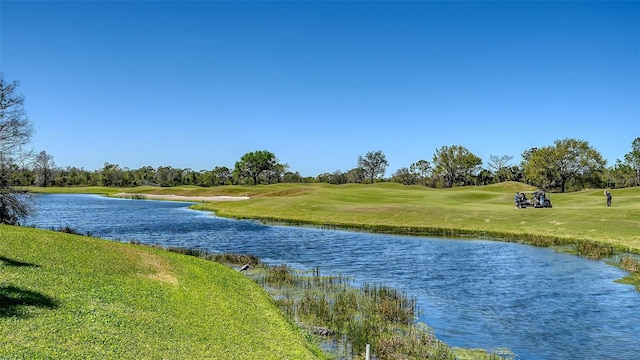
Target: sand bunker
[{"x": 184, "y": 198}]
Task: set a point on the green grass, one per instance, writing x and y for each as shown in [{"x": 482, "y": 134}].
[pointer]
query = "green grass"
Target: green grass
[
  {"x": 487, "y": 211},
  {"x": 73, "y": 297}
]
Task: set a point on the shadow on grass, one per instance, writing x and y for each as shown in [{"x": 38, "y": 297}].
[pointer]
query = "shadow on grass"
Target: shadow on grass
[
  {"x": 10, "y": 262},
  {"x": 14, "y": 300}
]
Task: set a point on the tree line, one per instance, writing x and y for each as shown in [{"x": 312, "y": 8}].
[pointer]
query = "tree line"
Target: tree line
[{"x": 567, "y": 165}]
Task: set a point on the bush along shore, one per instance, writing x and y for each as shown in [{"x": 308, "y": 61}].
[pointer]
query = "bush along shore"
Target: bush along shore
[{"x": 344, "y": 318}]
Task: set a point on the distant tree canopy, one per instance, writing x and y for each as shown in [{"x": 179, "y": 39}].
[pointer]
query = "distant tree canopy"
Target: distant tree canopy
[
  {"x": 423, "y": 171},
  {"x": 455, "y": 164},
  {"x": 221, "y": 175},
  {"x": 632, "y": 158},
  {"x": 620, "y": 175},
  {"x": 404, "y": 176},
  {"x": 567, "y": 165},
  {"x": 567, "y": 160},
  {"x": 373, "y": 164},
  {"x": 336, "y": 178},
  {"x": 260, "y": 165}
]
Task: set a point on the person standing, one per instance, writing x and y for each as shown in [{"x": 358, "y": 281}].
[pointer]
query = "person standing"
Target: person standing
[{"x": 608, "y": 194}]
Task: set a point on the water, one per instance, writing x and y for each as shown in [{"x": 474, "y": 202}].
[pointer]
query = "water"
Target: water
[{"x": 474, "y": 293}]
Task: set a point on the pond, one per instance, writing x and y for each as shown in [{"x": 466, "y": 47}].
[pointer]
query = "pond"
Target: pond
[{"x": 475, "y": 293}]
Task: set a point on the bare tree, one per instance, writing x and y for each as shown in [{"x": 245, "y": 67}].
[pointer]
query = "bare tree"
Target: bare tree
[
  {"x": 498, "y": 163},
  {"x": 44, "y": 168},
  {"x": 15, "y": 132}
]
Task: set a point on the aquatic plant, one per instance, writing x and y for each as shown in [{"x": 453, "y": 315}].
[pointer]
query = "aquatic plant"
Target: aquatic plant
[
  {"x": 593, "y": 250},
  {"x": 344, "y": 316},
  {"x": 233, "y": 259},
  {"x": 70, "y": 230},
  {"x": 351, "y": 317},
  {"x": 630, "y": 264}
]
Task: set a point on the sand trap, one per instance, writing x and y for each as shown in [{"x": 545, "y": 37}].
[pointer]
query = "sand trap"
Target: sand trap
[{"x": 184, "y": 198}]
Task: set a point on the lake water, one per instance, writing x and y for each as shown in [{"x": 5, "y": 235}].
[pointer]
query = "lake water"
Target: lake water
[{"x": 474, "y": 293}]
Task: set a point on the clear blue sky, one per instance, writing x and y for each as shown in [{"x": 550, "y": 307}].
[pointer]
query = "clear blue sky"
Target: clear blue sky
[{"x": 198, "y": 84}]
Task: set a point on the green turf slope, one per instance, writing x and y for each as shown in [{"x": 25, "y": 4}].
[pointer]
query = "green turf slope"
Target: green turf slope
[{"x": 73, "y": 297}]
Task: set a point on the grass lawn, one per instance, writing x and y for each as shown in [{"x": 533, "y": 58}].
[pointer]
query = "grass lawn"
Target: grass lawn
[
  {"x": 65, "y": 296},
  {"x": 478, "y": 211}
]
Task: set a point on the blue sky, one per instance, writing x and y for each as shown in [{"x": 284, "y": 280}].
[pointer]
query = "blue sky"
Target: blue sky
[{"x": 197, "y": 84}]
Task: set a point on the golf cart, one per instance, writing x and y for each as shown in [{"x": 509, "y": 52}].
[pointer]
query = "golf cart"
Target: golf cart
[{"x": 538, "y": 199}]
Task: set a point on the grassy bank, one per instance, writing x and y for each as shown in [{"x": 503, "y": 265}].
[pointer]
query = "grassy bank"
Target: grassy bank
[
  {"x": 344, "y": 318},
  {"x": 72, "y": 297}
]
